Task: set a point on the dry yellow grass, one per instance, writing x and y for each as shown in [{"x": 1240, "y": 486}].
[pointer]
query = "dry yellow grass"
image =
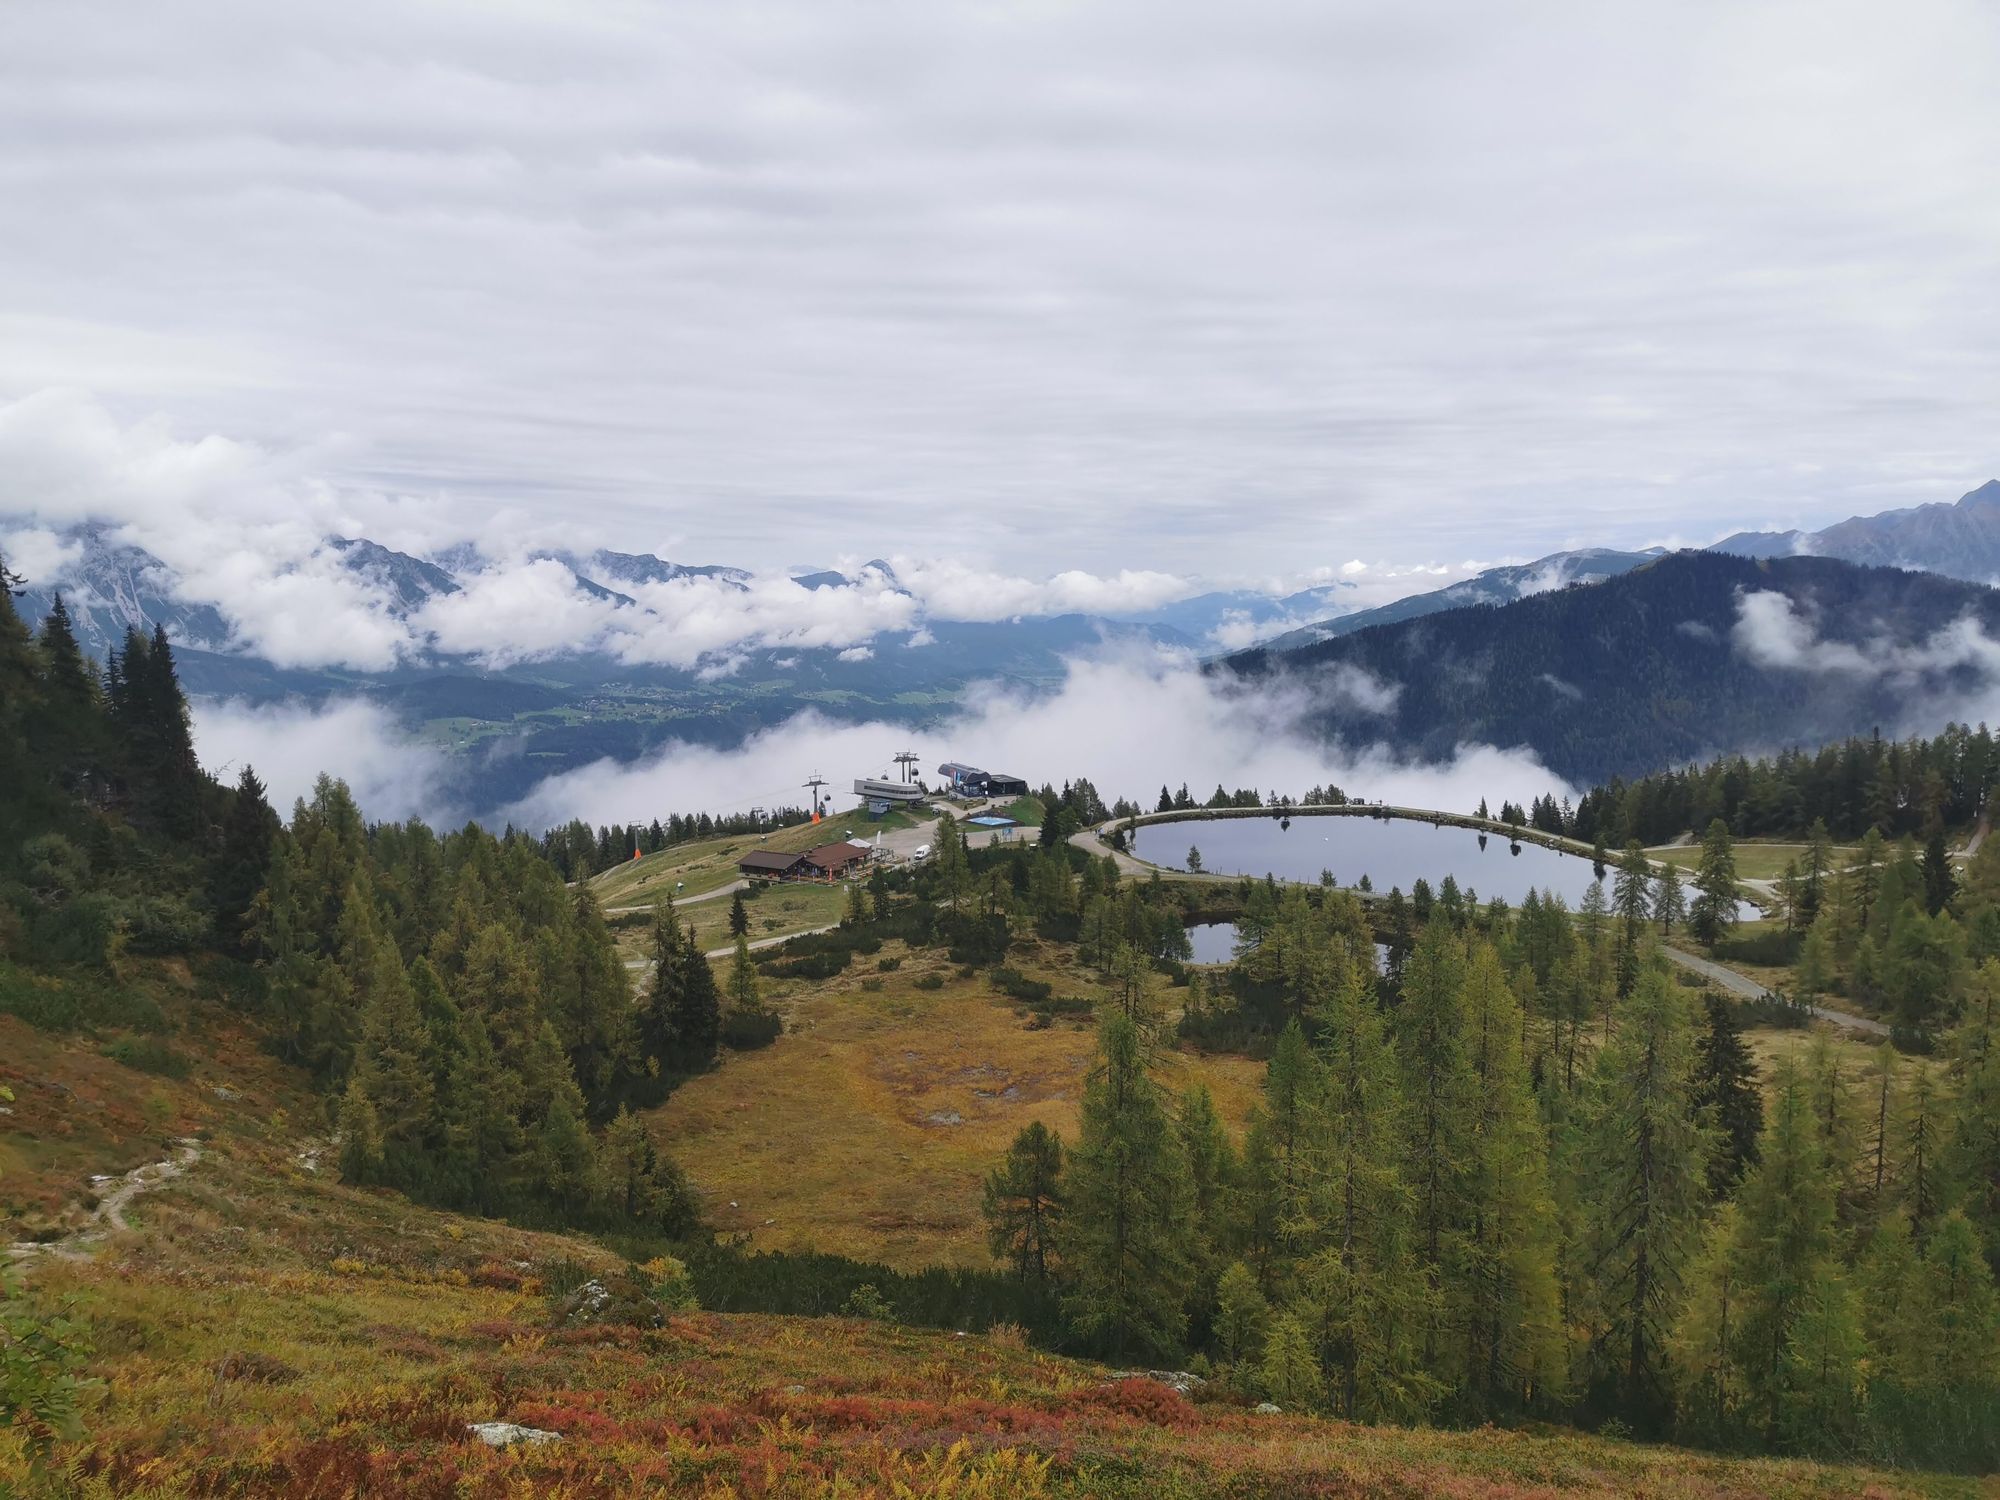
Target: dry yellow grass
[
  {"x": 868, "y": 1128},
  {"x": 706, "y": 865}
]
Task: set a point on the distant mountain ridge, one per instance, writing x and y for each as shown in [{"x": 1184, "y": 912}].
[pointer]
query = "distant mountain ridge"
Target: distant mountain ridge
[
  {"x": 1687, "y": 655},
  {"x": 1960, "y": 540},
  {"x": 1499, "y": 585}
]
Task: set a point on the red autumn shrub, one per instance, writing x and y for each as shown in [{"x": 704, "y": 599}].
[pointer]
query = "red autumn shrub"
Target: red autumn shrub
[{"x": 1146, "y": 1400}]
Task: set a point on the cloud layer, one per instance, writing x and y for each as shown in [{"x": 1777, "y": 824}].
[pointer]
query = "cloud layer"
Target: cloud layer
[
  {"x": 1129, "y": 722},
  {"x": 1072, "y": 285}
]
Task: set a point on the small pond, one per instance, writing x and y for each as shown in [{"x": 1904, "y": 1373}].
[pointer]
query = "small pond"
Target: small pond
[{"x": 1391, "y": 852}]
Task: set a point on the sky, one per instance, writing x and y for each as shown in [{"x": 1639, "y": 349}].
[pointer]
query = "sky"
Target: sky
[{"x": 1132, "y": 292}]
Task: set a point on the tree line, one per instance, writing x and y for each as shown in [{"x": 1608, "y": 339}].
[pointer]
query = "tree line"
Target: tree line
[
  {"x": 1897, "y": 787},
  {"x": 1501, "y": 1183}
]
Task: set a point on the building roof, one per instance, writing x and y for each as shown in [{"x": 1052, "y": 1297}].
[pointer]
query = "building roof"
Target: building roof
[
  {"x": 954, "y": 768},
  {"x": 831, "y": 856},
  {"x": 768, "y": 859}
]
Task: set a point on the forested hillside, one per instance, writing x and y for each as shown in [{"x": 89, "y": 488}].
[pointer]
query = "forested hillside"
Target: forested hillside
[
  {"x": 1897, "y": 787},
  {"x": 1660, "y": 666}
]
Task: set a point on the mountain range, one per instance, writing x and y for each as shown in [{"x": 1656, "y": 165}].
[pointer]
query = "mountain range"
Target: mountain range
[
  {"x": 1959, "y": 541},
  {"x": 1505, "y": 625},
  {"x": 1686, "y": 655}
]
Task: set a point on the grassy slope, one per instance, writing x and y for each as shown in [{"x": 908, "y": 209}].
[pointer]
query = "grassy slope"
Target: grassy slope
[
  {"x": 1754, "y": 860},
  {"x": 869, "y": 1126},
  {"x": 378, "y": 1330}
]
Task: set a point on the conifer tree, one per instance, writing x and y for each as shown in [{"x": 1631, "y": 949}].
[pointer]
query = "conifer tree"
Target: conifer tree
[
  {"x": 1124, "y": 1242},
  {"x": 1275, "y": 1163},
  {"x": 1813, "y": 975},
  {"x": 595, "y": 1028},
  {"x": 1921, "y": 1133},
  {"x": 1024, "y": 1202},
  {"x": 1289, "y": 1371},
  {"x": 1786, "y": 1236},
  {"x": 394, "y": 1070},
  {"x": 1889, "y": 1277},
  {"x": 1643, "y": 1177},
  {"x": 1213, "y": 1173},
  {"x": 1707, "y": 1332},
  {"x": 1972, "y": 1154},
  {"x": 1725, "y": 1088},
  {"x": 739, "y": 916},
  {"x": 1506, "y": 1279},
  {"x": 360, "y": 1136},
  {"x": 1712, "y": 914},
  {"x": 242, "y": 864},
  {"x": 1242, "y": 1316},
  {"x": 1629, "y": 902},
  {"x": 1669, "y": 901},
  {"x": 1363, "y": 1289},
  {"x": 1958, "y": 1313},
  {"x": 1429, "y": 1030}
]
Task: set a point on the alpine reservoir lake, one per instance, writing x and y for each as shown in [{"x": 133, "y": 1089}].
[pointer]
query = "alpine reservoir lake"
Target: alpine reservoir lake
[{"x": 1391, "y": 852}]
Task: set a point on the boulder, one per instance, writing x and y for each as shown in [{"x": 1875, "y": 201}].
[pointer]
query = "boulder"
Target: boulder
[{"x": 507, "y": 1434}]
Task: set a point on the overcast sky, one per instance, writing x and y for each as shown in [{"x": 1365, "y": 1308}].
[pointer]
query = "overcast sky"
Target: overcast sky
[{"x": 1229, "y": 289}]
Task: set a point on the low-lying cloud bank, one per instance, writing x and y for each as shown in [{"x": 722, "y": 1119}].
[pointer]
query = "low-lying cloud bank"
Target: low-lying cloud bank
[
  {"x": 1129, "y": 723},
  {"x": 249, "y": 532}
]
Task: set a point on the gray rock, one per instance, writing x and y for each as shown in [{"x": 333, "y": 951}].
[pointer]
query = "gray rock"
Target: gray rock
[
  {"x": 1268, "y": 1409},
  {"x": 506, "y": 1434}
]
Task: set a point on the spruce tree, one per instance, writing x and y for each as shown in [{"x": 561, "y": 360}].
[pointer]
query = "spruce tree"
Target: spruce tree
[
  {"x": 1712, "y": 914},
  {"x": 739, "y": 916},
  {"x": 1725, "y": 1091},
  {"x": 1124, "y": 1241},
  {"x": 1629, "y": 901}
]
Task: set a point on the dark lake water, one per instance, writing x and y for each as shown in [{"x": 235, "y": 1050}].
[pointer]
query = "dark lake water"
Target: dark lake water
[{"x": 1392, "y": 852}]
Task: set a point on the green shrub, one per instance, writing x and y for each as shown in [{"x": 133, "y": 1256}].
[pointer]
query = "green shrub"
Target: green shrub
[
  {"x": 931, "y": 982},
  {"x": 80, "y": 931},
  {"x": 148, "y": 1054},
  {"x": 747, "y": 1030}
]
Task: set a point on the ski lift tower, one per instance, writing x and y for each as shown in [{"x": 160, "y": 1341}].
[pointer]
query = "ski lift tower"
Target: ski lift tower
[
  {"x": 905, "y": 760},
  {"x": 813, "y": 784}
]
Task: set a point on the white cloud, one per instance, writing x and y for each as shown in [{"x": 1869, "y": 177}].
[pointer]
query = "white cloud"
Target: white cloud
[
  {"x": 958, "y": 591},
  {"x": 37, "y": 555},
  {"x": 1771, "y": 631},
  {"x": 1129, "y": 722},
  {"x": 391, "y": 776}
]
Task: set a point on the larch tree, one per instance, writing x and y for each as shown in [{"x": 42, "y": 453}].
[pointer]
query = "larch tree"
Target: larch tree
[
  {"x": 1125, "y": 1241},
  {"x": 1024, "y": 1201},
  {"x": 1509, "y": 1315},
  {"x": 1669, "y": 900},
  {"x": 1786, "y": 1228},
  {"x": 1362, "y": 1287},
  {"x": 1643, "y": 1165}
]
